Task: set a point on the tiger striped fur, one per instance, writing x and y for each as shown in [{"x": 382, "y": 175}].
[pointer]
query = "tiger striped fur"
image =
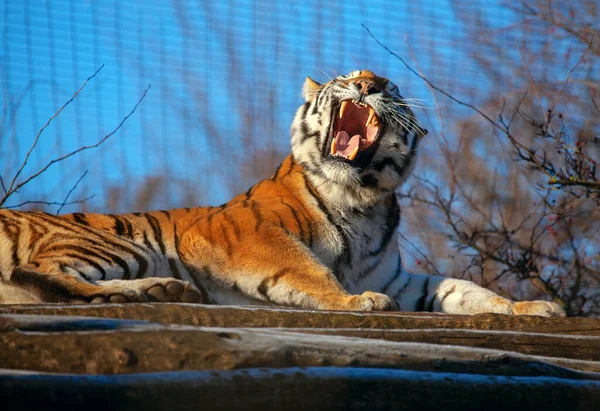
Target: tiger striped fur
[{"x": 321, "y": 233}]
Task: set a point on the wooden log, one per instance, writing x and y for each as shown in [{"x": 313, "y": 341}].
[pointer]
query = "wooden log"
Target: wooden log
[
  {"x": 291, "y": 389},
  {"x": 88, "y": 346},
  {"x": 237, "y": 316}
]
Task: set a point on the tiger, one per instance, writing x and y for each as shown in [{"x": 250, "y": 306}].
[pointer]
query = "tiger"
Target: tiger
[{"x": 320, "y": 234}]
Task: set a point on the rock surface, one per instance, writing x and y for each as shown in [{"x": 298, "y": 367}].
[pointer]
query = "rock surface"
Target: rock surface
[{"x": 178, "y": 356}]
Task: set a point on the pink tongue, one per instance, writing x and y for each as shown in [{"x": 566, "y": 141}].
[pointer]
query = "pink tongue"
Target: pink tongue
[{"x": 344, "y": 144}]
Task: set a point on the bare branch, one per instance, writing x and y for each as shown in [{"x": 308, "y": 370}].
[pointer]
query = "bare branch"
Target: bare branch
[
  {"x": 37, "y": 137},
  {"x": 70, "y": 191},
  {"x": 433, "y": 86},
  {"x": 50, "y": 203},
  {"x": 79, "y": 150}
]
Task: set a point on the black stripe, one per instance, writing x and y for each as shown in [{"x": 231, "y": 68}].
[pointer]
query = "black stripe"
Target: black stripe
[
  {"x": 85, "y": 251},
  {"x": 90, "y": 262},
  {"x": 254, "y": 207},
  {"x": 80, "y": 218},
  {"x": 229, "y": 249},
  {"x": 115, "y": 259},
  {"x": 271, "y": 281},
  {"x": 346, "y": 253},
  {"x": 421, "y": 302},
  {"x": 305, "y": 108},
  {"x": 173, "y": 268},
  {"x": 304, "y": 130},
  {"x": 281, "y": 223},
  {"x": 232, "y": 222},
  {"x": 276, "y": 173},
  {"x": 142, "y": 265},
  {"x": 78, "y": 229},
  {"x": 296, "y": 218},
  {"x": 14, "y": 231},
  {"x": 129, "y": 229},
  {"x": 37, "y": 232},
  {"x": 173, "y": 262},
  {"x": 198, "y": 284},
  {"x": 147, "y": 242},
  {"x": 314, "y": 134},
  {"x": 388, "y": 161},
  {"x": 368, "y": 270},
  {"x": 369, "y": 180},
  {"x": 316, "y": 103},
  {"x": 249, "y": 192},
  {"x": 99, "y": 252},
  {"x": 157, "y": 231},
  {"x": 292, "y": 163},
  {"x": 101, "y": 239},
  {"x": 429, "y": 306},
  {"x": 397, "y": 274},
  {"x": 410, "y": 277},
  {"x": 119, "y": 226},
  {"x": 392, "y": 220}
]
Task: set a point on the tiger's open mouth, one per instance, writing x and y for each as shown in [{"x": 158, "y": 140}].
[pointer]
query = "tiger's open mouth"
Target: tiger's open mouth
[{"x": 354, "y": 129}]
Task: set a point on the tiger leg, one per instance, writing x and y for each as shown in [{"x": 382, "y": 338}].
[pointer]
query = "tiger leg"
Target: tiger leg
[
  {"x": 48, "y": 284},
  {"x": 298, "y": 280},
  {"x": 317, "y": 288},
  {"x": 453, "y": 296}
]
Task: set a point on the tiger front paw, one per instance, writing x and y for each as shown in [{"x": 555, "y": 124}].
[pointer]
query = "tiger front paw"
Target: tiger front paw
[
  {"x": 503, "y": 305},
  {"x": 539, "y": 307},
  {"x": 370, "y": 301},
  {"x": 151, "y": 289}
]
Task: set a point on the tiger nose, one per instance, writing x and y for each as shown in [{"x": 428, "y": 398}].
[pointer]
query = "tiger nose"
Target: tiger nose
[{"x": 366, "y": 86}]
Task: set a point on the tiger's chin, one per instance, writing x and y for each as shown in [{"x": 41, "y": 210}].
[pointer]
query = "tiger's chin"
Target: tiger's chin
[{"x": 341, "y": 173}]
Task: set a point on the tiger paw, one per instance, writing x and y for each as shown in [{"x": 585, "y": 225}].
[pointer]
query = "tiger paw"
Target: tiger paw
[
  {"x": 146, "y": 290},
  {"x": 501, "y": 305},
  {"x": 370, "y": 301},
  {"x": 539, "y": 307}
]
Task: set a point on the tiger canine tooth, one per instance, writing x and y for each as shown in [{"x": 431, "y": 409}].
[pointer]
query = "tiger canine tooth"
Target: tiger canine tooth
[
  {"x": 353, "y": 154},
  {"x": 333, "y": 147},
  {"x": 343, "y": 107},
  {"x": 371, "y": 115}
]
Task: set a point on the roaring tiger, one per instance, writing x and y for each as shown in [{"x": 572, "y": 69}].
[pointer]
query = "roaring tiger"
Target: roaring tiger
[{"x": 321, "y": 233}]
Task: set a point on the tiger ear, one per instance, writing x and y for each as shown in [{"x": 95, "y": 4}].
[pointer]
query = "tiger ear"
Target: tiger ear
[{"x": 310, "y": 89}]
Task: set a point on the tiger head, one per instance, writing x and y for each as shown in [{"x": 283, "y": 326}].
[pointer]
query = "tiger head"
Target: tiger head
[{"x": 356, "y": 131}]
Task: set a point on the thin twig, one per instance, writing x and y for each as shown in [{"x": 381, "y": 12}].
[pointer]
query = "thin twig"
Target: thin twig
[
  {"x": 37, "y": 137},
  {"x": 450, "y": 96},
  {"x": 589, "y": 47},
  {"x": 533, "y": 85},
  {"x": 79, "y": 150},
  {"x": 433, "y": 86},
  {"x": 70, "y": 191},
  {"x": 421, "y": 253},
  {"x": 50, "y": 203},
  {"x": 596, "y": 105}
]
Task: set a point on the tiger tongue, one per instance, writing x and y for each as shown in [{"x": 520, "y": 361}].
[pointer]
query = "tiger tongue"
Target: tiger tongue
[{"x": 345, "y": 144}]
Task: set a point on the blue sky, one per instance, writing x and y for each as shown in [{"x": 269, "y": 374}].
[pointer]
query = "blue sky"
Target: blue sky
[{"x": 211, "y": 64}]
